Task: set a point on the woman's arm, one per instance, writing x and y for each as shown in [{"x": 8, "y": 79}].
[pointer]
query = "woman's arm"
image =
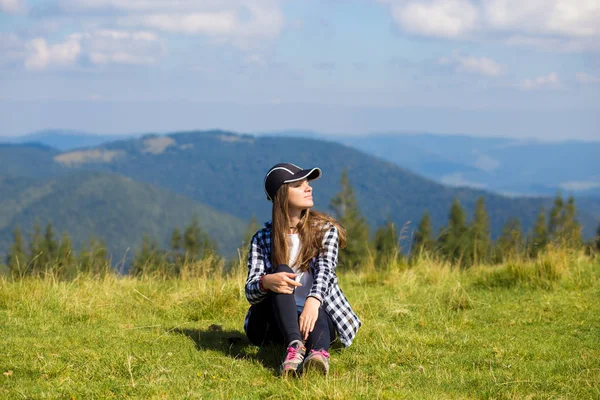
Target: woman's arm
[
  {"x": 325, "y": 265},
  {"x": 256, "y": 268}
]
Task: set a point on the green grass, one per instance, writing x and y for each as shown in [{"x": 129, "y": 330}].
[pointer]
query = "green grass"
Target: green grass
[{"x": 510, "y": 331}]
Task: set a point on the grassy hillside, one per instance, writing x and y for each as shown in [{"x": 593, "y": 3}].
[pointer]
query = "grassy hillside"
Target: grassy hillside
[
  {"x": 110, "y": 206},
  {"x": 508, "y": 332}
]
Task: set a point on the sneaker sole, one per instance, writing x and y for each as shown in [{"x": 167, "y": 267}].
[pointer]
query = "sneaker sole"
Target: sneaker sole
[
  {"x": 315, "y": 365},
  {"x": 289, "y": 373}
]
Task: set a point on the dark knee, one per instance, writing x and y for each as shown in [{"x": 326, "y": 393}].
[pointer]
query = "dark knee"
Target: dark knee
[{"x": 283, "y": 268}]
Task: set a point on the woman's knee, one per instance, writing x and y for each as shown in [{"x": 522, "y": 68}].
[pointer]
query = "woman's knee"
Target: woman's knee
[
  {"x": 255, "y": 336},
  {"x": 259, "y": 327},
  {"x": 283, "y": 268}
]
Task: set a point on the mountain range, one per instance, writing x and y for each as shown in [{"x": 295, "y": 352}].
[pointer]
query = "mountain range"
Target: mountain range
[
  {"x": 514, "y": 167},
  {"x": 121, "y": 189},
  {"x": 64, "y": 139}
]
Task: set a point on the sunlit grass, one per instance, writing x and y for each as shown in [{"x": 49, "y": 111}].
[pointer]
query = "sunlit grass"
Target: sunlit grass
[{"x": 516, "y": 330}]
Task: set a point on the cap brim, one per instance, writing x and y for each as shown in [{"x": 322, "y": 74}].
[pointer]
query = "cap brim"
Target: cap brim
[{"x": 310, "y": 174}]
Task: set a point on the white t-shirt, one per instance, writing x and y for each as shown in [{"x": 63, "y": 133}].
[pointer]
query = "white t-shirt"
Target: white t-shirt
[{"x": 305, "y": 278}]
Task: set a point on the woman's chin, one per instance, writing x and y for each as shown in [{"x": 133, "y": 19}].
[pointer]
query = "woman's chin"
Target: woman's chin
[{"x": 302, "y": 205}]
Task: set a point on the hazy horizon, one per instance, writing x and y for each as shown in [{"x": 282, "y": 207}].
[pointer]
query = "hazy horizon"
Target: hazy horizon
[{"x": 127, "y": 118}]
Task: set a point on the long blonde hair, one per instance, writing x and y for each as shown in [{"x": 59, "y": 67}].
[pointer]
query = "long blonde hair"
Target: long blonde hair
[{"x": 310, "y": 231}]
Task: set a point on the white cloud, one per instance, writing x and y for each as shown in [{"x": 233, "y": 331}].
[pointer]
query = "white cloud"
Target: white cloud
[
  {"x": 99, "y": 47},
  {"x": 554, "y": 25},
  {"x": 84, "y": 6},
  {"x": 207, "y": 23},
  {"x": 40, "y": 55},
  {"x": 121, "y": 47},
  {"x": 13, "y": 6},
  {"x": 569, "y": 18},
  {"x": 477, "y": 65},
  {"x": 235, "y": 21},
  {"x": 584, "y": 77},
  {"x": 441, "y": 18},
  {"x": 574, "y": 18},
  {"x": 550, "y": 81},
  {"x": 246, "y": 28},
  {"x": 248, "y": 25},
  {"x": 549, "y": 25}
]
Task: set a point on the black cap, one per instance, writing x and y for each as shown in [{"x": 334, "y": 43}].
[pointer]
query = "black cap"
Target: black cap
[{"x": 286, "y": 173}]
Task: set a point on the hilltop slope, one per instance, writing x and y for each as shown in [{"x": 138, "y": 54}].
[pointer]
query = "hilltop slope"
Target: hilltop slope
[{"x": 110, "y": 206}]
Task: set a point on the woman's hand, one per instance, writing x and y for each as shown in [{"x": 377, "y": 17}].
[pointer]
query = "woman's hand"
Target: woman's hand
[
  {"x": 280, "y": 282},
  {"x": 309, "y": 316}
]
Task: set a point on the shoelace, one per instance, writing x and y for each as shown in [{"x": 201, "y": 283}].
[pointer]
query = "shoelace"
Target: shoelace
[
  {"x": 323, "y": 352},
  {"x": 292, "y": 353}
]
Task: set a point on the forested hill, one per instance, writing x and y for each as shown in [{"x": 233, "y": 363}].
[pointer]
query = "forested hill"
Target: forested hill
[
  {"x": 110, "y": 206},
  {"x": 225, "y": 171},
  {"x": 29, "y": 160}
]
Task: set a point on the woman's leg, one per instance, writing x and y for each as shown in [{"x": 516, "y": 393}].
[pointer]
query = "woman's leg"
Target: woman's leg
[
  {"x": 262, "y": 328},
  {"x": 284, "y": 310},
  {"x": 275, "y": 319},
  {"x": 323, "y": 333},
  {"x": 318, "y": 343}
]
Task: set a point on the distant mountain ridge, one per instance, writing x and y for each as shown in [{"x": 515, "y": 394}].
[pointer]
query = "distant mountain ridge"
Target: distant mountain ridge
[
  {"x": 504, "y": 165},
  {"x": 216, "y": 162},
  {"x": 225, "y": 171},
  {"x": 63, "y": 139}
]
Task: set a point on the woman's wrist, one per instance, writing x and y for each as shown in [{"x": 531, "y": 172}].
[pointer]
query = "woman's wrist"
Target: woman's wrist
[
  {"x": 261, "y": 284},
  {"x": 317, "y": 302}
]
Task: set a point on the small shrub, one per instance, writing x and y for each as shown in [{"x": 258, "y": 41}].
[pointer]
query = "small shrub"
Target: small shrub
[
  {"x": 458, "y": 299},
  {"x": 211, "y": 265},
  {"x": 541, "y": 272}
]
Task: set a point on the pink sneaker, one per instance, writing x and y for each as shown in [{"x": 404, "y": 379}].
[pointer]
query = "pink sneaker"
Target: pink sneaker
[
  {"x": 293, "y": 359},
  {"x": 317, "y": 361}
]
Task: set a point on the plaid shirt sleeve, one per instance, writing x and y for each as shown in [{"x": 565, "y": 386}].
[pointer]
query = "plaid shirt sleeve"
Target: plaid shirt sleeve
[
  {"x": 256, "y": 268},
  {"x": 325, "y": 265}
]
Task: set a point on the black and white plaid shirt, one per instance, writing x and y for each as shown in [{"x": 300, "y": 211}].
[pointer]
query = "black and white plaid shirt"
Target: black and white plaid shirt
[{"x": 325, "y": 285}]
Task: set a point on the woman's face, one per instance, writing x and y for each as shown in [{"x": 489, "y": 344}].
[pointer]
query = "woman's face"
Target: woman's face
[{"x": 300, "y": 195}]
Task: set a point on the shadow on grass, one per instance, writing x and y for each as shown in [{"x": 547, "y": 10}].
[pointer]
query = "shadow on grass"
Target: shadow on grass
[{"x": 233, "y": 344}]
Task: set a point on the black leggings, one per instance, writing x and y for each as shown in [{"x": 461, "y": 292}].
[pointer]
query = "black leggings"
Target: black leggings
[{"x": 275, "y": 320}]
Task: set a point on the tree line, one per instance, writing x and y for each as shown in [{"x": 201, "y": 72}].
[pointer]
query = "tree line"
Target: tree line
[
  {"x": 43, "y": 253},
  {"x": 460, "y": 242},
  {"x": 40, "y": 254}
]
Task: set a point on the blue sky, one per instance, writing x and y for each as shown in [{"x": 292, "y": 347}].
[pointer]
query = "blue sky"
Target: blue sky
[{"x": 518, "y": 68}]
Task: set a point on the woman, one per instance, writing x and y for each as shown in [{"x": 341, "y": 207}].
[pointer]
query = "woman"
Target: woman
[{"x": 292, "y": 287}]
